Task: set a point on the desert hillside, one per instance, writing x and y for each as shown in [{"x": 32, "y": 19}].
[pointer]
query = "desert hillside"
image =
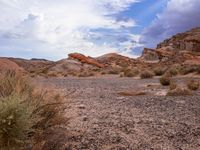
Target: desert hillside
[{"x": 182, "y": 49}]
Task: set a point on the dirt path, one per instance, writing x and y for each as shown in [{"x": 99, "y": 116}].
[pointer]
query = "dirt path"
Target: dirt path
[{"x": 101, "y": 119}]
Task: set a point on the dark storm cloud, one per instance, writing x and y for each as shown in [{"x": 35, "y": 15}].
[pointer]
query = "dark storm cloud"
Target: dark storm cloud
[{"x": 179, "y": 16}]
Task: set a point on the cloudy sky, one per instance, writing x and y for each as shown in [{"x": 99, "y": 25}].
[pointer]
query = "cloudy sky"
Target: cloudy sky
[{"x": 53, "y": 28}]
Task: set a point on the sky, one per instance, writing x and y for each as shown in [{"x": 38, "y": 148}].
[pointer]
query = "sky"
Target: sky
[{"x": 52, "y": 29}]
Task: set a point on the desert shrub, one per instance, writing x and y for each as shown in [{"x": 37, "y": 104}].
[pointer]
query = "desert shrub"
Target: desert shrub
[
  {"x": 172, "y": 85},
  {"x": 86, "y": 74},
  {"x": 103, "y": 73},
  {"x": 131, "y": 72},
  {"x": 193, "y": 85},
  {"x": 52, "y": 74},
  {"x": 179, "y": 92},
  {"x": 121, "y": 74},
  {"x": 24, "y": 111},
  {"x": 173, "y": 71},
  {"x": 10, "y": 83},
  {"x": 114, "y": 71},
  {"x": 159, "y": 71},
  {"x": 198, "y": 69},
  {"x": 146, "y": 74},
  {"x": 16, "y": 121},
  {"x": 187, "y": 69},
  {"x": 165, "y": 80}
]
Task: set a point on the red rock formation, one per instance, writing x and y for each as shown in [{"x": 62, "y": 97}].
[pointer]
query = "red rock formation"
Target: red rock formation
[{"x": 84, "y": 59}]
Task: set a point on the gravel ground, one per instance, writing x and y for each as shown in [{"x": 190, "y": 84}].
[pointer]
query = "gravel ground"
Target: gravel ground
[{"x": 101, "y": 119}]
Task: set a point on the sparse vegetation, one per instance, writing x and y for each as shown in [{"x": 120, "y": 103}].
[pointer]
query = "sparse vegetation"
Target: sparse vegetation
[
  {"x": 189, "y": 69},
  {"x": 173, "y": 71},
  {"x": 172, "y": 85},
  {"x": 86, "y": 74},
  {"x": 179, "y": 92},
  {"x": 131, "y": 72},
  {"x": 159, "y": 71},
  {"x": 165, "y": 80},
  {"x": 193, "y": 85},
  {"x": 16, "y": 121},
  {"x": 146, "y": 74},
  {"x": 24, "y": 111},
  {"x": 114, "y": 71}
]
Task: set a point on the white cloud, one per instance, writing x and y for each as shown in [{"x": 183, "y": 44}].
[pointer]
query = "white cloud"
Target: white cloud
[
  {"x": 179, "y": 16},
  {"x": 54, "y": 28}
]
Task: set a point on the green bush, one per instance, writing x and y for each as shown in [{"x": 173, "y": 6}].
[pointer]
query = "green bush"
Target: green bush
[
  {"x": 146, "y": 74},
  {"x": 193, "y": 85},
  {"x": 165, "y": 80}
]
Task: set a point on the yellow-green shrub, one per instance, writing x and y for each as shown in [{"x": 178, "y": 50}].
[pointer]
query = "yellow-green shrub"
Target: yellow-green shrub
[
  {"x": 23, "y": 111},
  {"x": 16, "y": 121}
]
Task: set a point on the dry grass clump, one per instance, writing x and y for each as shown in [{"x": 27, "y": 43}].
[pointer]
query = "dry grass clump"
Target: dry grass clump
[
  {"x": 146, "y": 74},
  {"x": 172, "y": 85},
  {"x": 131, "y": 72},
  {"x": 159, "y": 71},
  {"x": 52, "y": 74},
  {"x": 86, "y": 74},
  {"x": 173, "y": 71},
  {"x": 198, "y": 69},
  {"x": 193, "y": 85},
  {"x": 24, "y": 112},
  {"x": 114, "y": 71},
  {"x": 179, "y": 92},
  {"x": 165, "y": 80},
  {"x": 189, "y": 69}
]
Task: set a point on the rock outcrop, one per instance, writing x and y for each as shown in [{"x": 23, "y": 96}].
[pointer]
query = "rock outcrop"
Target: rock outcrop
[
  {"x": 84, "y": 59},
  {"x": 181, "y": 48},
  {"x": 189, "y": 41},
  {"x": 150, "y": 55}
]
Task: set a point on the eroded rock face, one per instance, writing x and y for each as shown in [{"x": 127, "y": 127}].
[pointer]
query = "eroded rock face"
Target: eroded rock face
[
  {"x": 84, "y": 59},
  {"x": 189, "y": 41},
  {"x": 180, "y": 48},
  {"x": 150, "y": 55}
]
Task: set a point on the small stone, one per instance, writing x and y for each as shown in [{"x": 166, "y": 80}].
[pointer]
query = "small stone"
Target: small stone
[{"x": 81, "y": 106}]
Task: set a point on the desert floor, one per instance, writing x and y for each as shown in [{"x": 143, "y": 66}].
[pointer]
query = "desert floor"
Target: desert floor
[{"x": 102, "y": 119}]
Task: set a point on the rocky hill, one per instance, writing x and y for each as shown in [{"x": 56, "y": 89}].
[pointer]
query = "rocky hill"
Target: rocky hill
[
  {"x": 189, "y": 41},
  {"x": 182, "y": 49}
]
